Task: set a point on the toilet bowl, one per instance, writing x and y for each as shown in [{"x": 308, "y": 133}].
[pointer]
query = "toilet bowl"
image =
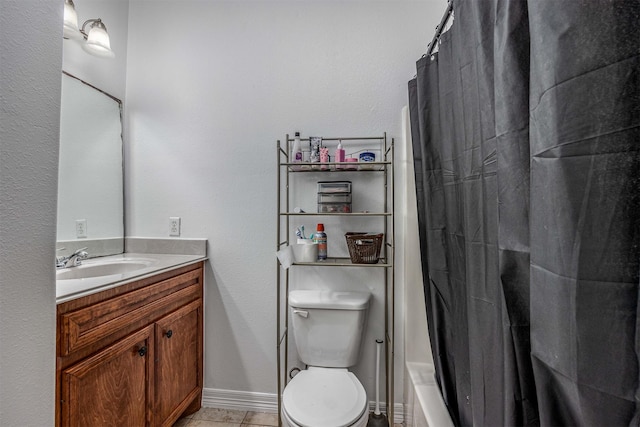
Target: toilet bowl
[{"x": 325, "y": 397}]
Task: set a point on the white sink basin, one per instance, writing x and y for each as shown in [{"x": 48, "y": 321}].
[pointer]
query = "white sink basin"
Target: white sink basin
[{"x": 96, "y": 268}]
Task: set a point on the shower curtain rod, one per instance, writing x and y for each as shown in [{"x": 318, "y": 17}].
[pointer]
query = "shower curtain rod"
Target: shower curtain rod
[{"x": 434, "y": 42}]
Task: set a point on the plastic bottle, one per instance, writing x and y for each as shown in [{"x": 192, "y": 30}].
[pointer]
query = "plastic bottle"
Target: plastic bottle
[
  {"x": 321, "y": 239},
  {"x": 296, "y": 151},
  {"x": 315, "y": 143},
  {"x": 339, "y": 155}
]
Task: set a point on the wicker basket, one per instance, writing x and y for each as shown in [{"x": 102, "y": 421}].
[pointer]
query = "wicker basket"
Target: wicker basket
[{"x": 364, "y": 248}]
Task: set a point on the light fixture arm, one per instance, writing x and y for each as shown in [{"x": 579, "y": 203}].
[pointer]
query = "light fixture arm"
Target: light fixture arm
[{"x": 96, "y": 22}]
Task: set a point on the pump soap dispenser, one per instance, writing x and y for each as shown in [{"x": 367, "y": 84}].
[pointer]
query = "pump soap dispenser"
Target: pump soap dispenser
[{"x": 339, "y": 155}]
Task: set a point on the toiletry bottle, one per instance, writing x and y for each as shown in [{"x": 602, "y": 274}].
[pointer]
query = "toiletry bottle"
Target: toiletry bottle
[
  {"x": 324, "y": 157},
  {"x": 315, "y": 143},
  {"x": 296, "y": 151},
  {"x": 339, "y": 155},
  {"x": 321, "y": 239}
]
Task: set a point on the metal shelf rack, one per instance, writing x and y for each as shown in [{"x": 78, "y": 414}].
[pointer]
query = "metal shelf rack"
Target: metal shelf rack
[{"x": 286, "y": 173}]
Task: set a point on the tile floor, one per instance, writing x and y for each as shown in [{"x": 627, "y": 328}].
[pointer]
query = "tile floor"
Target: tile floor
[{"x": 214, "y": 417}]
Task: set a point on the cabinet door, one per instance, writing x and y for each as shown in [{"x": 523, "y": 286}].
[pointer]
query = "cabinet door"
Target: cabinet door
[
  {"x": 178, "y": 367},
  {"x": 113, "y": 387}
]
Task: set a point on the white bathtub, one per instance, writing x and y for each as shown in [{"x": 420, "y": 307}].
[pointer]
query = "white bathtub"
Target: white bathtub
[{"x": 424, "y": 406}]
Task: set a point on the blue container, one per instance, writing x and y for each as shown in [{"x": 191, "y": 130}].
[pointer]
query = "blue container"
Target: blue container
[{"x": 367, "y": 156}]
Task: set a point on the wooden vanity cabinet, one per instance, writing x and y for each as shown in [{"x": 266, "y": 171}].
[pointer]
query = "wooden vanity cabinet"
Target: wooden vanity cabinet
[
  {"x": 177, "y": 372},
  {"x": 132, "y": 355},
  {"x": 112, "y": 386}
]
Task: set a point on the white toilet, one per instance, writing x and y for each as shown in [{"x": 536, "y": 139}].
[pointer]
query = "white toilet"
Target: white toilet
[{"x": 328, "y": 327}]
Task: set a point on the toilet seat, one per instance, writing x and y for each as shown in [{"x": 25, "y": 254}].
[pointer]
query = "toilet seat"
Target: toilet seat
[{"x": 324, "y": 397}]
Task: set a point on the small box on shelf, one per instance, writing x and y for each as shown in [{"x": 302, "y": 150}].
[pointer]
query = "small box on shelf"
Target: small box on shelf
[
  {"x": 334, "y": 197},
  {"x": 333, "y": 187}
]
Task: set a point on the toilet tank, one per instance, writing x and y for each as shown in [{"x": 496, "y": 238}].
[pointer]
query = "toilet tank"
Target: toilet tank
[{"x": 328, "y": 326}]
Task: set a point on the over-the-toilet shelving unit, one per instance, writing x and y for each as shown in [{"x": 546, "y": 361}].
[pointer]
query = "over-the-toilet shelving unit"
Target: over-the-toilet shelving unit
[{"x": 287, "y": 174}]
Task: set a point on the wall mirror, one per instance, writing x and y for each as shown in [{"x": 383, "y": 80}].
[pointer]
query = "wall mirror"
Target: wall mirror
[{"x": 90, "y": 173}]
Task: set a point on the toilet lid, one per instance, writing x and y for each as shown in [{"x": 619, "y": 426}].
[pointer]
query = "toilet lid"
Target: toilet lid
[{"x": 324, "y": 397}]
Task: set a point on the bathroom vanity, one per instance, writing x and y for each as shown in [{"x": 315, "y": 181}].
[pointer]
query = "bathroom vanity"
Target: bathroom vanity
[
  {"x": 129, "y": 321},
  {"x": 130, "y": 352}
]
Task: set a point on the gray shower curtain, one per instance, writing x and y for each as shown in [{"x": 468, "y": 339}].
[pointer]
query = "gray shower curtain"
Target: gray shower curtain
[{"x": 526, "y": 142}]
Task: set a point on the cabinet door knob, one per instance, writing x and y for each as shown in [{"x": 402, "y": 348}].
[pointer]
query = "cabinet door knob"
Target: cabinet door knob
[
  {"x": 142, "y": 351},
  {"x": 169, "y": 333}
]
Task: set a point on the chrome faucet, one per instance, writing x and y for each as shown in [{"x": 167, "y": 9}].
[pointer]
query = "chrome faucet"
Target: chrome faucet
[{"x": 73, "y": 260}]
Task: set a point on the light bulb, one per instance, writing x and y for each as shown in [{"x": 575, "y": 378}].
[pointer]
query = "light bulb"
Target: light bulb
[
  {"x": 70, "y": 27},
  {"x": 98, "y": 41}
]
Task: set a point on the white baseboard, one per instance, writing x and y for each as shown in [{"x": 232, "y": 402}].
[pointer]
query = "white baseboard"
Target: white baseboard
[
  {"x": 239, "y": 400},
  {"x": 264, "y": 402}
]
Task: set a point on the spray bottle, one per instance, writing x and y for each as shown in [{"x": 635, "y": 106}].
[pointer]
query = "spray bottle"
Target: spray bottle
[{"x": 320, "y": 237}]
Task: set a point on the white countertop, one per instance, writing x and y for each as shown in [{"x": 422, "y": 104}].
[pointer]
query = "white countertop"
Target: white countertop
[{"x": 74, "y": 288}]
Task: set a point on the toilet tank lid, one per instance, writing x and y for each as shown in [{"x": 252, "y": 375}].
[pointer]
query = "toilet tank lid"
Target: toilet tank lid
[{"x": 330, "y": 300}]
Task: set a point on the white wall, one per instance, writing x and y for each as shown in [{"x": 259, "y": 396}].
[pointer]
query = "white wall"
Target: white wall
[
  {"x": 211, "y": 86},
  {"x": 30, "y": 54}
]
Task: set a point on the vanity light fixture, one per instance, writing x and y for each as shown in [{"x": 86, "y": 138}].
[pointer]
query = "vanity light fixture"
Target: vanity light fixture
[{"x": 97, "y": 40}]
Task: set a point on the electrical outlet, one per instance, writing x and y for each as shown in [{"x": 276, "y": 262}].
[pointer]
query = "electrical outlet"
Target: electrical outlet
[
  {"x": 81, "y": 228},
  {"x": 174, "y": 226}
]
